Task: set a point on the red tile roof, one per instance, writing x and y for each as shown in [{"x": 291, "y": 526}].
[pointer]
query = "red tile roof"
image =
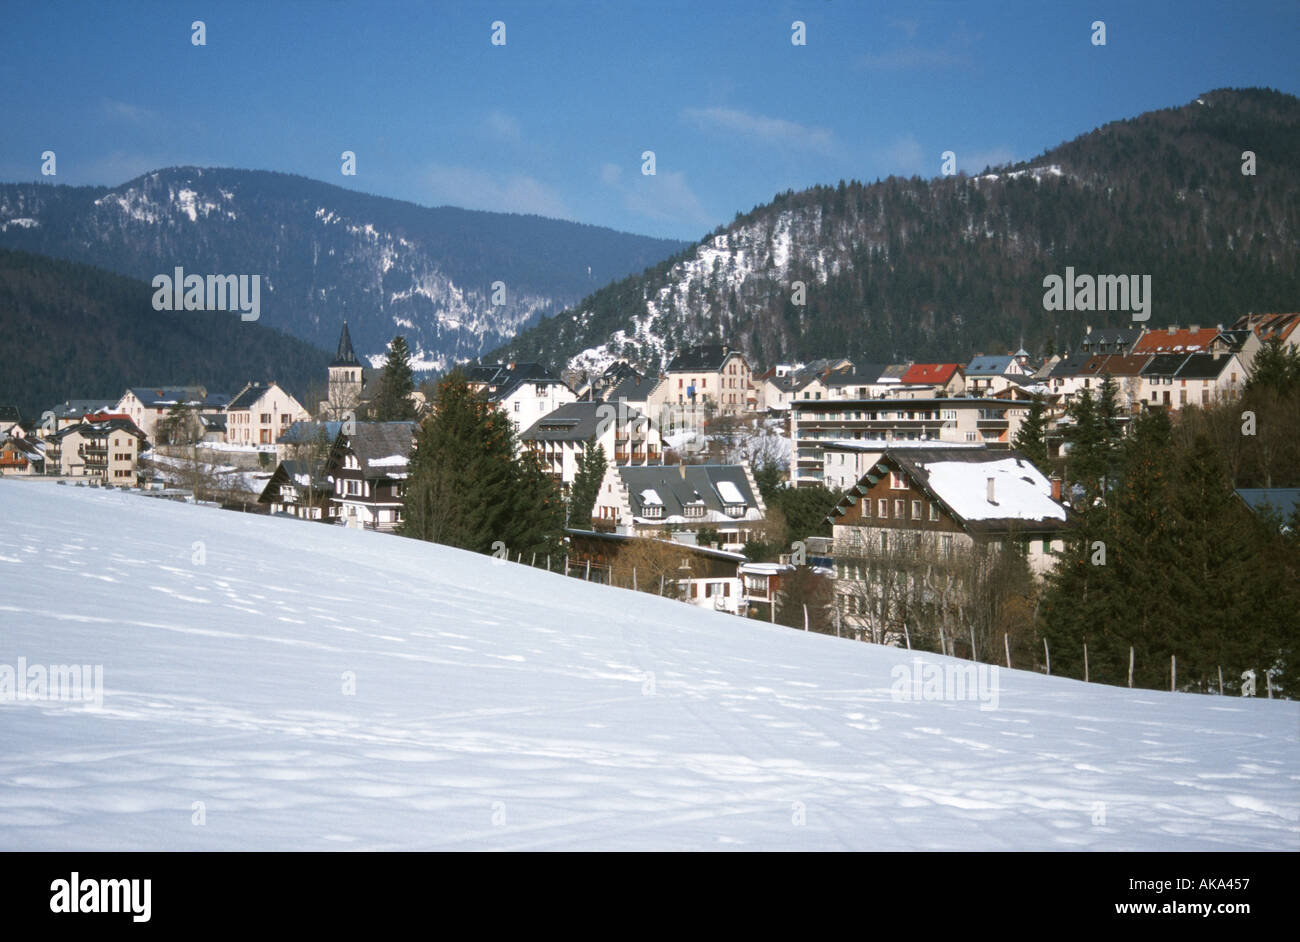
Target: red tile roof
[
  {"x": 1180, "y": 341},
  {"x": 930, "y": 374},
  {"x": 1268, "y": 326}
]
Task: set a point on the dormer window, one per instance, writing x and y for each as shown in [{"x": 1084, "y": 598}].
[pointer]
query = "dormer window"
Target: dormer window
[
  {"x": 694, "y": 510},
  {"x": 653, "y": 511}
]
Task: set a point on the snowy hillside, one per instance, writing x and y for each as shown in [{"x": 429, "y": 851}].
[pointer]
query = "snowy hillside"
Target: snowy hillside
[{"x": 501, "y": 707}]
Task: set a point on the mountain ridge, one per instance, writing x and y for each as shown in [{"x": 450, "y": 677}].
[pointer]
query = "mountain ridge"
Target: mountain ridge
[
  {"x": 328, "y": 253},
  {"x": 942, "y": 268}
]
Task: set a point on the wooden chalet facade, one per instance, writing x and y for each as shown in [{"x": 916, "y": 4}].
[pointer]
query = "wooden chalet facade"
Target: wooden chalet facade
[{"x": 367, "y": 470}]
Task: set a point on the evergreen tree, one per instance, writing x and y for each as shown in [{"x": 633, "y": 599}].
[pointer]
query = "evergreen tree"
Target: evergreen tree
[
  {"x": 392, "y": 402},
  {"x": 586, "y": 485},
  {"x": 1087, "y": 457},
  {"x": 467, "y": 488},
  {"x": 1276, "y": 367},
  {"x": 1030, "y": 438}
]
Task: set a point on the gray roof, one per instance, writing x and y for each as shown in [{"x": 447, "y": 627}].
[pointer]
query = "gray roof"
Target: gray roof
[
  {"x": 295, "y": 472},
  {"x": 1203, "y": 366},
  {"x": 299, "y": 433},
  {"x": 988, "y": 366},
  {"x": 702, "y": 357},
  {"x": 373, "y": 441},
  {"x": 76, "y": 408},
  {"x": 499, "y": 380},
  {"x": 156, "y": 397},
  {"x": 679, "y": 485},
  {"x": 633, "y": 389},
  {"x": 573, "y": 422},
  {"x": 864, "y": 374},
  {"x": 1069, "y": 365},
  {"x": 246, "y": 397},
  {"x": 1281, "y": 499}
]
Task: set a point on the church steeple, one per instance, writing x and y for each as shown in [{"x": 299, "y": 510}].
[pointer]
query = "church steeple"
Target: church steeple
[{"x": 345, "y": 355}]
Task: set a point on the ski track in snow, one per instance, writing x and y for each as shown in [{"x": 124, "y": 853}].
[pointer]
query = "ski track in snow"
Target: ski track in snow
[{"x": 499, "y": 707}]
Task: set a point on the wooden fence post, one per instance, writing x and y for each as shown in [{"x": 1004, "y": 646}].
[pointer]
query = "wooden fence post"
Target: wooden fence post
[
  {"x": 1006, "y": 642},
  {"x": 1220, "y": 680},
  {"x": 1173, "y": 672},
  {"x": 972, "y": 644},
  {"x": 1085, "y": 662},
  {"x": 1130, "y": 665},
  {"x": 588, "y": 576},
  {"x": 1047, "y": 654},
  {"x": 906, "y": 635},
  {"x": 633, "y": 578}
]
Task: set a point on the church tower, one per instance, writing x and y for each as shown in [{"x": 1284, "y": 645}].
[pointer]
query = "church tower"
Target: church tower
[{"x": 344, "y": 380}]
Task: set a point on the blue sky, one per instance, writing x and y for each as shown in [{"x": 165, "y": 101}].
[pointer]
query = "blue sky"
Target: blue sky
[{"x": 555, "y": 121}]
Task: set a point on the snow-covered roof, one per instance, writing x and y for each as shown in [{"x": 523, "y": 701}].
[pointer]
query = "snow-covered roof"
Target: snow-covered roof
[
  {"x": 730, "y": 493},
  {"x": 1020, "y": 492}
]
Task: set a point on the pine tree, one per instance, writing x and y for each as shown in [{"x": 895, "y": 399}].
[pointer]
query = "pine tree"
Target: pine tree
[
  {"x": 1086, "y": 460},
  {"x": 392, "y": 402},
  {"x": 1030, "y": 438},
  {"x": 468, "y": 489},
  {"x": 586, "y": 485}
]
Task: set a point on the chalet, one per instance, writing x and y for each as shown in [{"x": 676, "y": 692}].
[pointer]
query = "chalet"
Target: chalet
[
  {"x": 921, "y": 508},
  {"x": 657, "y": 499},
  {"x": 560, "y": 438},
  {"x": 21, "y": 455},
  {"x": 760, "y": 584},
  {"x": 704, "y": 577},
  {"x": 1065, "y": 378},
  {"x": 711, "y": 373},
  {"x": 367, "y": 467},
  {"x": 523, "y": 391},
  {"x": 300, "y": 489},
  {"x": 931, "y": 380},
  {"x": 105, "y": 446},
  {"x": 260, "y": 413}
]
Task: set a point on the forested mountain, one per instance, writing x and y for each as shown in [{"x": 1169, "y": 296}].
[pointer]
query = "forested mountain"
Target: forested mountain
[
  {"x": 326, "y": 253},
  {"x": 77, "y": 332},
  {"x": 944, "y": 268}
]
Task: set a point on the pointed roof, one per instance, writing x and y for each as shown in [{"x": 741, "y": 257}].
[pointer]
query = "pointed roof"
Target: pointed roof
[{"x": 345, "y": 355}]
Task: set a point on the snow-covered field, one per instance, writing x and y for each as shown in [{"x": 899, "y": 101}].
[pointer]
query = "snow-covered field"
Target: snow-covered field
[{"x": 501, "y": 707}]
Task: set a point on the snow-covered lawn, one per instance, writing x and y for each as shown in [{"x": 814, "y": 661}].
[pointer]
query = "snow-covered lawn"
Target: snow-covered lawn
[{"x": 501, "y": 707}]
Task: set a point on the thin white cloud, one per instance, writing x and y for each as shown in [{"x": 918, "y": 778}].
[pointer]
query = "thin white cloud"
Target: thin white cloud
[
  {"x": 763, "y": 128},
  {"x": 957, "y": 52},
  {"x": 664, "y": 196},
  {"x": 503, "y": 193},
  {"x": 503, "y": 127},
  {"x": 125, "y": 111}
]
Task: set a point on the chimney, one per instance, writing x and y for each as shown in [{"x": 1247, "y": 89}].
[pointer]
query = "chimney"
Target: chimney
[
  {"x": 991, "y": 500},
  {"x": 1195, "y": 328},
  {"x": 681, "y": 468},
  {"x": 1056, "y": 487},
  {"x": 1172, "y": 330}
]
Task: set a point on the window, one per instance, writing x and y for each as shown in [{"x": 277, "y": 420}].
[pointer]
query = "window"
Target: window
[
  {"x": 897, "y": 481},
  {"x": 972, "y": 436},
  {"x": 900, "y": 509},
  {"x": 516, "y": 405},
  {"x": 916, "y": 510},
  {"x": 934, "y": 511},
  {"x": 945, "y": 544},
  {"x": 882, "y": 508},
  {"x": 266, "y": 418}
]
